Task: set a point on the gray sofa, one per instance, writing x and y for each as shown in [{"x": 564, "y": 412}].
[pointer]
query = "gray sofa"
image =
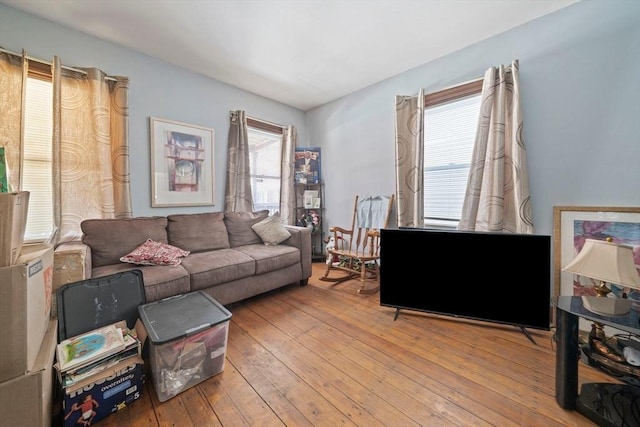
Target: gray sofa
[{"x": 227, "y": 259}]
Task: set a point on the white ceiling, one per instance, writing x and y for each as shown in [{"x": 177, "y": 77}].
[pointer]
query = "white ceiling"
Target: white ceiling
[{"x": 303, "y": 53}]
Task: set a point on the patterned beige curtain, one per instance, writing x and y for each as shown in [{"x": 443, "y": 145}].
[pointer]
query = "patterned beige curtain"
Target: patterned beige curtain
[
  {"x": 409, "y": 124},
  {"x": 13, "y": 75},
  {"x": 90, "y": 142},
  {"x": 90, "y": 149},
  {"x": 238, "y": 196},
  {"x": 287, "y": 191},
  {"x": 497, "y": 196}
]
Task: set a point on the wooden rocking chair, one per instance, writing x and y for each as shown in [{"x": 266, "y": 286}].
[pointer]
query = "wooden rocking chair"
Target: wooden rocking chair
[{"x": 356, "y": 251}]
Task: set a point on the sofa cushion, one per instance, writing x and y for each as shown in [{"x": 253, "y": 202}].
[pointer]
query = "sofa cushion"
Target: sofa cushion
[
  {"x": 215, "y": 267},
  {"x": 239, "y": 227},
  {"x": 155, "y": 253},
  {"x": 110, "y": 239},
  {"x": 271, "y": 258},
  {"x": 198, "y": 232},
  {"x": 271, "y": 230}
]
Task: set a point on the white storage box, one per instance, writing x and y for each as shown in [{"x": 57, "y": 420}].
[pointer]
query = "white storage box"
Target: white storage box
[
  {"x": 187, "y": 341},
  {"x": 25, "y": 303}
]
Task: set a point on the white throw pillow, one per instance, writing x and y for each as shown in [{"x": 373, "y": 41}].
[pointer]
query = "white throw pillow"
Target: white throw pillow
[{"x": 271, "y": 230}]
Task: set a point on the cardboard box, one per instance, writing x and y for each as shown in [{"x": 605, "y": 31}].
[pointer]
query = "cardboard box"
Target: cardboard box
[
  {"x": 71, "y": 263},
  {"x": 106, "y": 393},
  {"x": 13, "y": 222},
  {"x": 27, "y": 400},
  {"x": 25, "y": 304}
]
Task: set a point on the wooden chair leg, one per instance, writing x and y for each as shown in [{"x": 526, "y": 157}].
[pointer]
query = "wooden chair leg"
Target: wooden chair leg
[{"x": 363, "y": 279}]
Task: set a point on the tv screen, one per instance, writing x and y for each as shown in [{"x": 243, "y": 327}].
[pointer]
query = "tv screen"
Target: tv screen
[{"x": 496, "y": 277}]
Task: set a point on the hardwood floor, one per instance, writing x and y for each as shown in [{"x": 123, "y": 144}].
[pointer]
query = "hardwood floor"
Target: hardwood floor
[{"x": 323, "y": 355}]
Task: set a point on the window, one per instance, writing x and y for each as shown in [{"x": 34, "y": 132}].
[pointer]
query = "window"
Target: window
[
  {"x": 450, "y": 122},
  {"x": 37, "y": 159},
  {"x": 265, "y": 151}
]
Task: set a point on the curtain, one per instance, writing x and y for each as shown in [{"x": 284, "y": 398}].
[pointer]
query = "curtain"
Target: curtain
[
  {"x": 13, "y": 75},
  {"x": 409, "y": 123},
  {"x": 90, "y": 142},
  {"x": 287, "y": 188},
  {"x": 497, "y": 195},
  {"x": 91, "y": 176},
  {"x": 238, "y": 196}
]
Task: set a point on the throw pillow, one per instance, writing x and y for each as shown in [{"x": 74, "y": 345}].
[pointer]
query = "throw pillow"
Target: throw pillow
[
  {"x": 155, "y": 253},
  {"x": 271, "y": 230}
]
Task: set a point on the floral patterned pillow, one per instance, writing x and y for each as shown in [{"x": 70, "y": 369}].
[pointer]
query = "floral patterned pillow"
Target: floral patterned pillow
[{"x": 155, "y": 253}]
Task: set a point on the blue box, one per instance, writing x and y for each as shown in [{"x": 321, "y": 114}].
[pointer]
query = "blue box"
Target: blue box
[{"x": 104, "y": 394}]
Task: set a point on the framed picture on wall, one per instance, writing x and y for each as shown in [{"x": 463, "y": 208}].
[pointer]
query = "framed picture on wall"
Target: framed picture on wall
[
  {"x": 181, "y": 164},
  {"x": 572, "y": 225},
  {"x": 307, "y": 165}
]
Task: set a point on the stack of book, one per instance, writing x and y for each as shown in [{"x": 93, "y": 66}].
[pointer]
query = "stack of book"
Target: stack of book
[{"x": 83, "y": 356}]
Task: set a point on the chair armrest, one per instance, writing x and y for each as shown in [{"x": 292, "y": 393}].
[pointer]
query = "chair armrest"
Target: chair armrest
[{"x": 340, "y": 230}]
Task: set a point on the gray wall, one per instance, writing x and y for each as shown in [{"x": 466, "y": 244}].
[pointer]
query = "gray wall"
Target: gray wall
[
  {"x": 580, "y": 77},
  {"x": 157, "y": 89}
]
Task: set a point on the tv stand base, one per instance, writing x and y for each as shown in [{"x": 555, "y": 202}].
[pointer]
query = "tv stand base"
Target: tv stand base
[{"x": 524, "y": 331}]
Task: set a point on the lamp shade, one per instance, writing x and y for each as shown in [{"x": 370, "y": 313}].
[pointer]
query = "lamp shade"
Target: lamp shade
[{"x": 606, "y": 261}]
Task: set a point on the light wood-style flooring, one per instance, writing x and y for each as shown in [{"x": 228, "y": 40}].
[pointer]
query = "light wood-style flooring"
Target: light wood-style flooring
[{"x": 323, "y": 355}]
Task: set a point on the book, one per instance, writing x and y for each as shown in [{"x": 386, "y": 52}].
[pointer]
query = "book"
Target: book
[
  {"x": 85, "y": 349},
  {"x": 132, "y": 348}
]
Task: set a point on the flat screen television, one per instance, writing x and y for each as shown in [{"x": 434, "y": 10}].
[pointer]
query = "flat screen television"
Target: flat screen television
[{"x": 495, "y": 277}]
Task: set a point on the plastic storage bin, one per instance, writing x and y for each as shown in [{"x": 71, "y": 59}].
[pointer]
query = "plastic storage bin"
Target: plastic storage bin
[{"x": 187, "y": 341}]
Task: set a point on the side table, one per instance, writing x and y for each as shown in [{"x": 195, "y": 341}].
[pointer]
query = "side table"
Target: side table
[{"x": 594, "y": 400}]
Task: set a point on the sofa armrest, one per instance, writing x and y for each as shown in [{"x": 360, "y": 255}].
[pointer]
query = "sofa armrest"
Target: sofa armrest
[
  {"x": 71, "y": 263},
  {"x": 301, "y": 239}
]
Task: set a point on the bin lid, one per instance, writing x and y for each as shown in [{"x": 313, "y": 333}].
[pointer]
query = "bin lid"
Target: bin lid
[
  {"x": 181, "y": 316},
  {"x": 92, "y": 303}
]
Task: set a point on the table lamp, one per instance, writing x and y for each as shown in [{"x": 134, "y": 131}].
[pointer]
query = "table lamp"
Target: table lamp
[{"x": 610, "y": 262}]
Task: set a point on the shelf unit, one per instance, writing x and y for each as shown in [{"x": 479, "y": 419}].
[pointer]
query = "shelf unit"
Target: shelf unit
[{"x": 304, "y": 210}]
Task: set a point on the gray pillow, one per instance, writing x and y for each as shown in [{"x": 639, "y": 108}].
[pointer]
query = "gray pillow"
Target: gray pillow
[
  {"x": 110, "y": 239},
  {"x": 239, "y": 227},
  {"x": 198, "y": 232}
]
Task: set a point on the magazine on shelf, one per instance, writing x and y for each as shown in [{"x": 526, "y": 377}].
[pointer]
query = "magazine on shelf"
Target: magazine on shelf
[
  {"x": 85, "y": 349},
  {"x": 307, "y": 165}
]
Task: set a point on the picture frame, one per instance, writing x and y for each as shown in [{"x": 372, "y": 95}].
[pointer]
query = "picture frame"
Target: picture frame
[
  {"x": 182, "y": 164},
  {"x": 573, "y": 224},
  {"x": 308, "y": 201},
  {"x": 307, "y": 163},
  {"x": 316, "y": 203}
]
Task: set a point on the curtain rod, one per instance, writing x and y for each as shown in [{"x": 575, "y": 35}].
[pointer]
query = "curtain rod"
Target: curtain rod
[
  {"x": 42, "y": 61},
  {"x": 266, "y": 122},
  {"x": 459, "y": 84}
]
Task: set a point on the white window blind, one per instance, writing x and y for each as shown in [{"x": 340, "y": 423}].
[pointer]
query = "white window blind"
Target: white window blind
[
  {"x": 265, "y": 150},
  {"x": 449, "y": 134},
  {"x": 37, "y": 159}
]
